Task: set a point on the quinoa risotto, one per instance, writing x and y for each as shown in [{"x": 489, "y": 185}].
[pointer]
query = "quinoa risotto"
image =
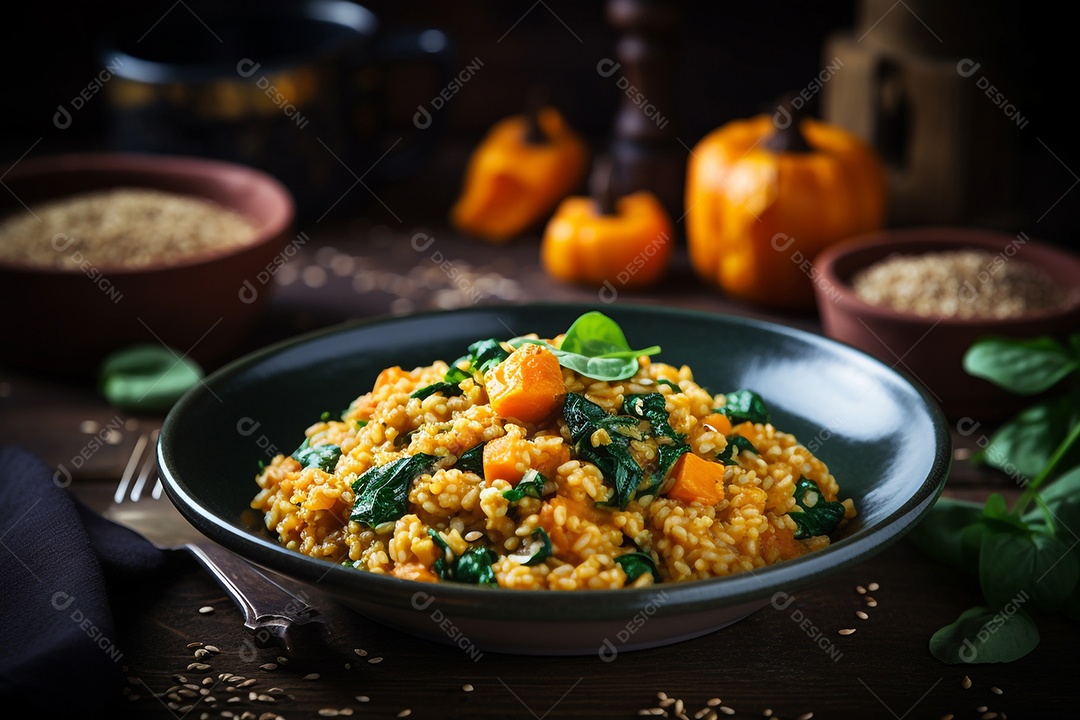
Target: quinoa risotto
[{"x": 565, "y": 464}]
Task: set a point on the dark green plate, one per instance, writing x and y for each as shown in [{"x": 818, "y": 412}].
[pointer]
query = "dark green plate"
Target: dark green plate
[{"x": 884, "y": 440}]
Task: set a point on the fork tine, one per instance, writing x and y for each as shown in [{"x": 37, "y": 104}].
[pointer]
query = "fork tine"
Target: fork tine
[
  {"x": 129, "y": 471},
  {"x": 149, "y": 466},
  {"x": 156, "y": 494}
]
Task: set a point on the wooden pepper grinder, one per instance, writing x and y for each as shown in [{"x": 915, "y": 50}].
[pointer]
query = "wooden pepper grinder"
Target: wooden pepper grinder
[{"x": 645, "y": 152}]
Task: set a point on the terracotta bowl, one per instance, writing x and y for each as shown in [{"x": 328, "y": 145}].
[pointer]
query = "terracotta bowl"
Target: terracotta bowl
[
  {"x": 67, "y": 320},
  {"x": 931, "y": 350}
]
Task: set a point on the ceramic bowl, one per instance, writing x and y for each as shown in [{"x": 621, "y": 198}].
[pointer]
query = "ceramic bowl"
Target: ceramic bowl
[
  {"x": 931, "y": 350},
  {"x": 67, "y": 320},
  {"x": 884, "y": 440}
]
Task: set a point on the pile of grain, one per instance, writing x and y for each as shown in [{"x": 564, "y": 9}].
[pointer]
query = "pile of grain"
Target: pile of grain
[
  {"x": 958, "y": 284},
  {"x": 120, "y": 228}
]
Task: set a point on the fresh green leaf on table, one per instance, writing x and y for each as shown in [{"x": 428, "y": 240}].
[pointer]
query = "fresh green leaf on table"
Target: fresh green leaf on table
[
  {"x": 1023, "y": 367},
  {"x": 147, "y": 378},
  {"x": 1024, "y": 443},
  {"x": 1015, "y": 566},
  {"x": 983, "y": 635},
  {"x": 939, "y": 535}
]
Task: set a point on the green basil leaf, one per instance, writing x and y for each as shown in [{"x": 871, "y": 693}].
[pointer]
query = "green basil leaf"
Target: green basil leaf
[
  {"x": 818, "y": 516},
  {"x": 534, "y": 551},
  {"x": 595, "y": 347},
  {"x": 324, "y": 457},
  {"x": 1064, "y": 488},
  {"x": 382, "y": 492},
  {"x": 636, "y": 564},
  {"x": 1024, "y": 367},
  {"x": 940, "y": 533},
  {"x": 472, "y": 460},
  {"x": 743, "y": 405},
  {"x": 1014, "y": 566},
  {"x": 981, "y": 635}
]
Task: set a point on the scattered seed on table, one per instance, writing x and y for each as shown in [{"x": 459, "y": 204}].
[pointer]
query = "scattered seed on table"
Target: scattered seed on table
[
  {"x": 361, "y": 652},
  {"x": 713, "y": 702},
  {"x": 846, "y": 631},
  {"x": 667, "y": 702},
  {"x": 345, "y": 711},
  {"x": 679, "y": 707},
  {"x": 200, "y": 667},
  {"x": 861, "y": 615},
  {"x": 268, "y": 666},
  {"x": 873, "y": 587},
  {"x": 268, "y": 716},
  {"x": 949, "y": 716},
  {"x": 860, "y": 589},
  {"x": 768, "y": 712},
  {"x": 208, "y": 681},
  {"x": 661, "y": 695},
  {"x": 996, "y": 690},
  {"x": 192, "y": 645},
  {"x": 989, "y": 716},
  {"x": 375, "y": 660},
  {"x": 209, "y": 699},
  {"x": 251, "y": 681},
  {"x": 362, "y": 698},
  {"x": 805, "y": 716},
  {"x": 467, "y": 687},
  {"x": 282, "y": 660},
  {"x": 328, "y": 712},
  {"x": 201, "y": 653},
  {"x": 264, "y": 698},
  {"x": 726, "y": 710},
  {"x": 870, "y": 602},
  {"x": 212, "y": 648},
  {"x": 312, "y": 676},
  {"x": 405, "y": 713},
  {"x": 966, "y": 682},
  {"x": 179, "y": 678},
  {"x": 981, "y": 708},
  {"x": 701, "y": 713},
  {"x": 234, "y": 699},
  {"x": 206, "y": 609}
]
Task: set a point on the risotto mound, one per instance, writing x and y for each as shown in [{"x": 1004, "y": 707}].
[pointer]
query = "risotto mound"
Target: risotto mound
[{"x": 548, "y": 464}]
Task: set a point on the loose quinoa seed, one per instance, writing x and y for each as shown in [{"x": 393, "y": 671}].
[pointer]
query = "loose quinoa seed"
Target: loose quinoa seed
[
  {"x": 726, "y": 710},
  {"x": 467, "y": 687},
  {"x": 871, "y": 602},
  {"x": 268, "y": 666},
  {"x": 362, "y": 698},
  {"x": 846, "y": 631},
  {"x": 861, "y": 615},
  {"x": 206, "y": 609},
  {"x": 768, "y": 712},
  {"x": 404, "y": 713},
  {"x": 966, "y": 682},
  {"x": 713, "y": 702},
  {"x": 873, "y": 587},
  {"x": 375, "y": 660},
  {"x": 860, "y": 589},
  {"x": 192, "y": 645},
  {"x": 312, "y": 676},
  {"x": 980, "y": 709},
  {"x": 805, "y": 716},
  {"x": 996, "y": 690}
]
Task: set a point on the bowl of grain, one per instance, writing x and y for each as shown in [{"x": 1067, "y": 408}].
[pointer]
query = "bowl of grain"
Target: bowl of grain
[
  {"x": 102, "y": 251},
  {"x": 918, "y": 298}
]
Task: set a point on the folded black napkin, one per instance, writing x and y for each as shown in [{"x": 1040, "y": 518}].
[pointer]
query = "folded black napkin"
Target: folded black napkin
[{"x": 65, "y": 574}]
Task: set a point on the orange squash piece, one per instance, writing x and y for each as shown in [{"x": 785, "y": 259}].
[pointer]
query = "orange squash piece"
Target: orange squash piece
[
  {"x": 718, "y": 422},
  {"x": 697, "y": 480},
  {"x": 414, "y": 571},
  {"x": 509, "y": 457},
  {"x": 527, "y": 386}
]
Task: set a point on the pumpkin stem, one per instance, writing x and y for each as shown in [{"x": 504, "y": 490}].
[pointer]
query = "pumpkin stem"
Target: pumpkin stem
[
  {"x": 603, "y": 186},
  {"x": 534, "y": 134},
  {"x": 788, "y": 136}
]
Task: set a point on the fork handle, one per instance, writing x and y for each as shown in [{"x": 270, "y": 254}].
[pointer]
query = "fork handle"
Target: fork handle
[{"x": 275, "y": 615}]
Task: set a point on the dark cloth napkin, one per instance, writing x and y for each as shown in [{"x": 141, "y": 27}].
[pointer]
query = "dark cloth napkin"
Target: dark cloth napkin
[{"x": 64, "y": 577}]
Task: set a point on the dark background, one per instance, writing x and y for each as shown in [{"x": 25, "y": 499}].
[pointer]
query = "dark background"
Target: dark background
[{"x": 734, "y": 59}]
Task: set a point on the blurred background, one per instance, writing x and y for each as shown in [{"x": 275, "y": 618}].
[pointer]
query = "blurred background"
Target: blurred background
[{"x": 731, "y": 60}]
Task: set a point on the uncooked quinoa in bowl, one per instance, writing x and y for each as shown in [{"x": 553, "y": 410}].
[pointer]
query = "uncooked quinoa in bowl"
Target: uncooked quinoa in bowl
[
  {"x": 918, "y": 298},
  {"x": 569, "y": 463}
]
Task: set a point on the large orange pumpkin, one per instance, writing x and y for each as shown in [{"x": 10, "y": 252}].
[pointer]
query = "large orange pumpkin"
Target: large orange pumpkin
[{"x": 763, "y": 200}]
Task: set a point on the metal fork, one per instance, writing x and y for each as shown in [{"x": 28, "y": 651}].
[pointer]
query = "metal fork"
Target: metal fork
[{"x": 275, "y": 615}]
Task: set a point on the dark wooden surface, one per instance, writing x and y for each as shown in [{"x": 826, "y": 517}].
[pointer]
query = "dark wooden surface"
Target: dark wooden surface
[{"x": 791, "y": 661}]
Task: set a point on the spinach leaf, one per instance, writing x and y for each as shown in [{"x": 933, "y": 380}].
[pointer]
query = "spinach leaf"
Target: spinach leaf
[
  {"x": 735, "y": 444},
  {"x": 474, "y": 566},
  {"x": 536, "y": 550},
  {"x": 939, "y": 534},
  {"x": 444, "y": 564},
  {"x": 472, "y": 460},
  {"x": 531, "y": 485},
  {"x": 652, "y": 407},
  {"x": 447, "y": 388},
  {"x": 674, "y": 388},
  {"x": 1024, "y": 444},
  {"x": 1024, "y": 367},
  {"x": 668, "y": 456},
  {"x": 743, "y": 405},
  {"x": 361, "y": 424},
  {"x": 324, "y": 457},
  {"x": 1014, "y": 566},
  {"x": 981, "y": 635},
  {"x": 636, "y": 564},
  {"x": 382, "y": 492},
  {"x": 595, "y": 347},
  {"x": 486, "y": 354},
  {"x": 818, "y": 517},
  {"x": 583, "y": 418}
]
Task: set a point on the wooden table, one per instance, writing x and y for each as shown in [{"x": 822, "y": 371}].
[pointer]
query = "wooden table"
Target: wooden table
[{"x": 790, "y": 661}]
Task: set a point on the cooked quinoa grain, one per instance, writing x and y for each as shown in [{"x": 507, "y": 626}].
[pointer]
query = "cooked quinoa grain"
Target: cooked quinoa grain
[{"x": 450, "y": 511}]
